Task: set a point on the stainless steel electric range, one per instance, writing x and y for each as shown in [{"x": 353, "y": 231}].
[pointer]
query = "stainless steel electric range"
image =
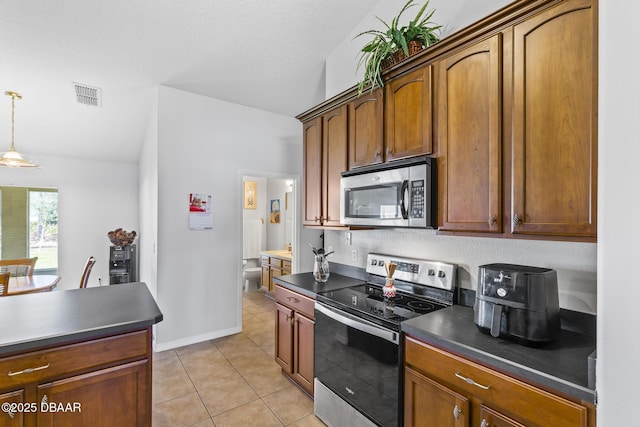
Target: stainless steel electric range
[{"x": 357, "y": 336}]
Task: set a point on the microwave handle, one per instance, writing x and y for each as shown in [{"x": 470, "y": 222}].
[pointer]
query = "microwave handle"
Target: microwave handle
[{"x": 404, "y": 190}]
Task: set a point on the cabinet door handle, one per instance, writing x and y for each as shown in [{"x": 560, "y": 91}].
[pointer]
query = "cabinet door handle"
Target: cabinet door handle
[
  {"x": 456, "y": 412},
  {"x": 472, "y": 382},
  {"x": 516, "y": 220},
  {"x": 492, "y": 220},
  {"x": 484, "y": 423},
  {"x": 28, "y": 370},
  {"x": 389, "y": 151},
  {"x": 292, "y": 299},
  {"x": 377, "y": 154},
  {"x": 316, "y": 219}
]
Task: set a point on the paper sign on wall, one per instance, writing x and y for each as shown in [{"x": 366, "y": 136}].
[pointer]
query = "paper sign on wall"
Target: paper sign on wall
[{"x": 200, "y": 211}]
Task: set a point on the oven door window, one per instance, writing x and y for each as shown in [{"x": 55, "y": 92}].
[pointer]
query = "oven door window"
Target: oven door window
[
  {"x": 377, "y": 201},
  {"x": 359, "y": 367}
]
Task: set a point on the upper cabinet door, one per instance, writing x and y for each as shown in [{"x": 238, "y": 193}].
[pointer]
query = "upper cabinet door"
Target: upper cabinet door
[
  {"x": 365, "y": 129},
  {"x": 555, "y": 122},
  {"x": 408, "y": 114},
  {"x": 334, "y": 162},
  {"x": 312, "y": 194},
  {"x": 469, "y": 138}
]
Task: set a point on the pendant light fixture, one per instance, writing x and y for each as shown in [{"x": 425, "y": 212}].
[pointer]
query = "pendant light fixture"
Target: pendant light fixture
[{"x": 12, "y": 158}]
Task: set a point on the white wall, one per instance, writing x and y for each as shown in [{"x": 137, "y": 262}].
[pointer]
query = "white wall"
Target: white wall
[
  {"x": 618, "y": 213},
  {"x": 148, "y": 184},
  {"x": 94, "y": 197},
  {"x": 203, "y": 144},
  {"x": 276, "y": 232}
]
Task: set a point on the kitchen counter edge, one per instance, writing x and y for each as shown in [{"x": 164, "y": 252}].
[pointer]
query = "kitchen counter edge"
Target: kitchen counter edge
[
  {"x": 41, "y": 320},
  {"x": 453, "y": 330}
]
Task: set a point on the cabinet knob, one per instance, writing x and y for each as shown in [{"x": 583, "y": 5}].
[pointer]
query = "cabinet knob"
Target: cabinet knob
[
  {"x": 316, "y": 219},
  {"x": 377, "y": 155},
  {"x": 492, "y": 220},
  {"x": 456, "y": 412},
  {"x": 516, "y": 220},
  {"x": 389, "y": 151}
]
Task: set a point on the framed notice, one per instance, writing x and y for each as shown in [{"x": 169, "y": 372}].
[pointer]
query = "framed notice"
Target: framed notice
[{"x": 200, "y": 211}]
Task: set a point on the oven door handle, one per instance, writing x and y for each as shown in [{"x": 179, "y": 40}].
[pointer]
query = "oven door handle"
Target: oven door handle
[{"x": 359, "y": 324}]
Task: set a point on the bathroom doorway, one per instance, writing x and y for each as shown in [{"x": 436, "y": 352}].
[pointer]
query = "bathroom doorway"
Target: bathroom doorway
[{"x": 269, "y": 222}]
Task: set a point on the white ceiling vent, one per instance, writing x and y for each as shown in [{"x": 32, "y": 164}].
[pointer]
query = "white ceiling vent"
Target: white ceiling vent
[{"x": 88, "y": 95}]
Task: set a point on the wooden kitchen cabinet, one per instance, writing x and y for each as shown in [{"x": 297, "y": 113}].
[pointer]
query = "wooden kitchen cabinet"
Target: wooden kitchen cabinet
[
  {"x": 294, "y": 336},
  {"x": 312, "y": 166},
  {"x": 366, "y": 138},
  {"x": 408, "y": 103},
  {"x": 428, "y": 403},
  {"x": 554, "y": 171},
  {"x": 9, "y": 417},
  {"x": 100, "y": 382},
  {"x": 325, "y": 158},
  {"x": 470, "y": 138},
  {"x": 445, "y": 389},
  {"x": 274, "y": 264}
]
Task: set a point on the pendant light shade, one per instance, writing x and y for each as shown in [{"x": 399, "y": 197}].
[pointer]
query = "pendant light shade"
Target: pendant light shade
[{"x": 12, "y": 158}]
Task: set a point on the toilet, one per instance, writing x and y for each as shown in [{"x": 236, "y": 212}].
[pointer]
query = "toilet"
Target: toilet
[{"x": 251, "y": 273}]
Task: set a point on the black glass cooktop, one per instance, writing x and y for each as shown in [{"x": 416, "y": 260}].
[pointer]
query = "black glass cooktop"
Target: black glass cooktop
[{"x": 368, "y": 300}]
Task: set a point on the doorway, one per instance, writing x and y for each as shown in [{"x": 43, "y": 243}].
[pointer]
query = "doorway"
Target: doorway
[{"x": 269, "y": 220}]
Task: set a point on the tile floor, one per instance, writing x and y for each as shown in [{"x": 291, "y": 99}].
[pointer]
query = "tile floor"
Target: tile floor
[{"x": 231, "y": 381}]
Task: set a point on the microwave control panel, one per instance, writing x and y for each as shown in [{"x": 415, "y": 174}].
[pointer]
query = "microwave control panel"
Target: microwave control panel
[{"x": 417, "y": 199}]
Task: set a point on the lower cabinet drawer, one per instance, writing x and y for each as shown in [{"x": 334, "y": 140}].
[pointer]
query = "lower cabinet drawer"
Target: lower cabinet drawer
[
  {"x": 501, "y": 392},
  {"x": 295, "y": 301},
  {"x": 65, "y": 360}
]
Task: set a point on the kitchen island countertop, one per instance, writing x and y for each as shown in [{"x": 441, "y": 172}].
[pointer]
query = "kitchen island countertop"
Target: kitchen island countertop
[
  {"x": 39, "y": 320},
  {"x": 561, "y": 365}
]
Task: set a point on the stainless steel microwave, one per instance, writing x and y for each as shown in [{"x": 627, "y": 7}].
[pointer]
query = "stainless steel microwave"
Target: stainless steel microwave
[{"x": 397, "y": 194}]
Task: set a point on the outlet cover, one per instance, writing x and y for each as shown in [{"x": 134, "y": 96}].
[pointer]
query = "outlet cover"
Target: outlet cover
[{"x": 354, "y": 255}]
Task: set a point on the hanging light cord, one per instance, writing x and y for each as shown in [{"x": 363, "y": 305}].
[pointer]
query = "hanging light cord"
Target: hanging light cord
[{"x": 13, "y": 96}]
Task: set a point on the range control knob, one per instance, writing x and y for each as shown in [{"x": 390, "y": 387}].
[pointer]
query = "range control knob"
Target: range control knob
[
  {"x": 440, "y": 273},
  {"x": 431, "y": 272}
]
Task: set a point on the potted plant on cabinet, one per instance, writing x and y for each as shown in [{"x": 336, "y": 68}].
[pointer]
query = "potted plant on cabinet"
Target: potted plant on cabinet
[{"x": 395, "y": 44}]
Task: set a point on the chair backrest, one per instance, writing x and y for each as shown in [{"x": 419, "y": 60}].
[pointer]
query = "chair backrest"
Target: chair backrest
[
  {"x": 4, "y": 284},
  {"x": 18, "y": 267},
  {"x": 87, "y": 270}
]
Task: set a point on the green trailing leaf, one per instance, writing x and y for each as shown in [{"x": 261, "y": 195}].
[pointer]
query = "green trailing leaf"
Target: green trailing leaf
[{"x": 386, "y": 43}]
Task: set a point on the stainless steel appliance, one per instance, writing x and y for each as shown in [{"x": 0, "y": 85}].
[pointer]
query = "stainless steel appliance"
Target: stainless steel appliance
[
  {"x": 518, "y": 302},
  {"x": 397, "y": 194},
  {"x": 357, "y": 335}
]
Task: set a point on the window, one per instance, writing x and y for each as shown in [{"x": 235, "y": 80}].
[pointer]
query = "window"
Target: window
[
  {"x": 29, "y": 226},
  {"x": 43, "y": 229}
]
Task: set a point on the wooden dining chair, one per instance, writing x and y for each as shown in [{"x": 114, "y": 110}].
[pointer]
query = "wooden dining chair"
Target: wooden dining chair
[
  {"x": 87, "y": 270},
  {"x": 18, "y": 267},
  {"x": 4, "y": 284}
]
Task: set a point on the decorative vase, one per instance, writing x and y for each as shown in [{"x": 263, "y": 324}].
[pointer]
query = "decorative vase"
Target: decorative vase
[
  {"x": 321, "y": 269},
  {"x": 389, "y": 293}
]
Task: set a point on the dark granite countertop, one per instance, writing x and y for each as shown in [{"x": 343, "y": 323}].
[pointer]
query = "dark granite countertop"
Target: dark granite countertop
[
  {"x": 305, "y": 284},
  {"x": 561, "y": 365},
  {"x": 45, "y": 319}
]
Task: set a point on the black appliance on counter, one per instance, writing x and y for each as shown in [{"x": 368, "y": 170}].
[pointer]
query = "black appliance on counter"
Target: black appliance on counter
[
  {"x": 518, "y": 302},
  {"x": 123, "y": 264},
  {"x": 357, "y": 335}
]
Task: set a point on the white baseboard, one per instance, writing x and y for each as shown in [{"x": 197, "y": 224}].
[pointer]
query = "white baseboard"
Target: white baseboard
[{"x": 194, "y": 339}]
